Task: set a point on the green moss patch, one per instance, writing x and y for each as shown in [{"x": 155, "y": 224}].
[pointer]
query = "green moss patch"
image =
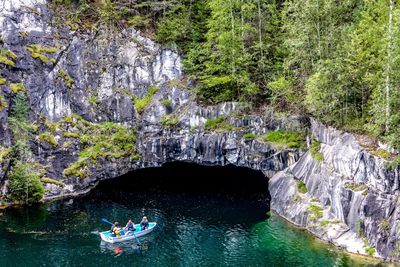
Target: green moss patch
[
  {"x": 166, "y": 102},
  {"x": 370, "y": 250},
  {"x": 301, "y": 187},
  {"x": 40, "y": 52},
  {"x": 71, "y": 135},
  {"x": 315, "y": 148},
  {"x": 325, "y": 223},
  {"x": 66, "y": 78},
  {"x": 169, "y": 121},
  {"x": 381, "y": 153},
  {"x": 142, "y": 103},
  {"x": 285, "y": 138},
  {"x": 93, "y": 100},
  {"x": 316, "y": 212},
  {"x": 249, "y": 136},
  {"x": 4, "y": 152},
  {"x": 100, "y": 140},
  {"x": 7, "y": 57},
  {"x": 219, "y": 124},
  {"x": 384, "y": 225},
  {"x": 3, "y": 81},
  {"x": 49, "y": 138},
  {"x": 17, "y": 88},
  {"x": 3, "y": 103},
  {"x": 355, "y": 187},
  {"x": 47, "y": 180}
]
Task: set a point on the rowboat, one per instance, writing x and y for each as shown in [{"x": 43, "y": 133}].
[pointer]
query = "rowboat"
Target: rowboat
[{"x": 109, "y": 237}]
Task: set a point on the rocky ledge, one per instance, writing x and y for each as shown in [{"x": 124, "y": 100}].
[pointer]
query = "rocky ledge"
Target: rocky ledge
[{"x": 105, "y": 104}]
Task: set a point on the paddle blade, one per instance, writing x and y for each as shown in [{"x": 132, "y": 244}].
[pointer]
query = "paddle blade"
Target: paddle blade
[{"x": 106, "y": 221}]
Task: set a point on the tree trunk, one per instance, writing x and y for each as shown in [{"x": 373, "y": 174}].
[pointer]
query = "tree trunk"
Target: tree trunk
[
  {"x": 233, "y": 37},
  {"x": 259, "y": 28},
  {"x": 388, "y": 66}
]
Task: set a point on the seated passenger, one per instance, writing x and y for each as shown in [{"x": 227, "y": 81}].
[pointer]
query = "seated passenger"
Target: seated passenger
[
  {"x": 144, "y": 223},
  {"x": 116, "y": 229},
  {"x": 130, "y": 226}
]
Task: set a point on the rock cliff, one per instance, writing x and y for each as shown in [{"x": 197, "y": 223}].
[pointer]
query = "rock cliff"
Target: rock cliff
[{"x": 104, "y": 104}]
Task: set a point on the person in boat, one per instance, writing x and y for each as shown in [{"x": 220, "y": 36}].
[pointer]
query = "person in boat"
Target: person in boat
[
  {"x": 116, "y": 229},
  {"x": 144, "y": 223},
  {"x": 130, "y": 226}
]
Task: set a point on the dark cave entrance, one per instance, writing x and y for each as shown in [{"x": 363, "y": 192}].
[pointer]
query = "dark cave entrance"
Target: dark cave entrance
[{"x": 193, "y": 179}]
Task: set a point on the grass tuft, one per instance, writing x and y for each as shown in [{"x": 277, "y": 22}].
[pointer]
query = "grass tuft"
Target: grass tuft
[
  {"x": 285, "y": 138},
  {"x": 301, "y": 187}
]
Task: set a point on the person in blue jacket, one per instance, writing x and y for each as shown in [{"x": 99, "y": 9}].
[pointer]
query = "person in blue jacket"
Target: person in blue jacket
[{"x": 130, "y": 226}]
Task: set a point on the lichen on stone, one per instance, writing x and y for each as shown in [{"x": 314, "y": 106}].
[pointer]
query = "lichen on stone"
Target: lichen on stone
[
  {"x": 17, "y": 88},
  {"x": 3, "y": 81},
  {"x": 39, "y": 52},
  {"x": 66, "y": 78},
  {"x": 7, "y": 57},
  {"x": 3, "y": 103},
  {"x": 4, "y": 152}
]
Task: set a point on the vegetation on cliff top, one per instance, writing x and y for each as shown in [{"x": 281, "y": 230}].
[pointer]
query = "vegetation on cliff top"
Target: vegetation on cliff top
[{"x": 333, "y": 61}]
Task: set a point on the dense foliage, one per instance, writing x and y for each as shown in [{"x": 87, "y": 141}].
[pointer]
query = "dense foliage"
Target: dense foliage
[
  {"x": 24, "y": 179},
  {"x": 336, "y": 61},
  {"x": 25, "y": 185}
]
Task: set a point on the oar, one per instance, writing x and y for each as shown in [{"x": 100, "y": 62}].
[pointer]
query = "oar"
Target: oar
[{"x": 107, "y": 221}]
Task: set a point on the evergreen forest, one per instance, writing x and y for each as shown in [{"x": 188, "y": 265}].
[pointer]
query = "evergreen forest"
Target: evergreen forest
[{"x": 338, "y": 61}]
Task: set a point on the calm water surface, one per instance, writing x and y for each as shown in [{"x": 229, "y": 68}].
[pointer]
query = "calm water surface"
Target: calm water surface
[{"x": 193, "y": 230}]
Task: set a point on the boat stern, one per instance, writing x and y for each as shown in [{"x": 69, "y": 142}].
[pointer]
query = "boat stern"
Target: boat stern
[{"x": 106, "y": 238}]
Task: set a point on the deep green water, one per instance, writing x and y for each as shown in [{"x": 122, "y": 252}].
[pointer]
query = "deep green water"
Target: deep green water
[{"x": 193, "y": 230}]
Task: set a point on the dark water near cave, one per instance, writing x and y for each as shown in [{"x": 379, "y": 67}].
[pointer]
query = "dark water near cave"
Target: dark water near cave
[{"x": 202, "y": 221}]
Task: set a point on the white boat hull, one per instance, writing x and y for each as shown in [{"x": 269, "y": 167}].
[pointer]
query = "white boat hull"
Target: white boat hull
[{"x": 130, "y": 235}]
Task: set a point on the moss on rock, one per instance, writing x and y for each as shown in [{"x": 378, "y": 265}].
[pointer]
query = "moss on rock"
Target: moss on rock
[
  {"x": 7, "y": 57},
  {"x": 39, "y": 52},
  {"x": 17, "y": 88},
  {"x": 101, "y": 140},
  {"x": 285, "y": 139},
  {"x": 49, "y": 138},
  {"x": 66, "y": 78},
  {"x": 142, "y": 103}
]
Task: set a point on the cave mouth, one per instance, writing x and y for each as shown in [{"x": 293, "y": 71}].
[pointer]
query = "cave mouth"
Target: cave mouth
[{"x": 189, "y": 178}]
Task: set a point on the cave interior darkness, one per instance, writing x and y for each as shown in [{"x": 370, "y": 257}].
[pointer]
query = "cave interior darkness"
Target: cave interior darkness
[{"x": 191, "y": 178}]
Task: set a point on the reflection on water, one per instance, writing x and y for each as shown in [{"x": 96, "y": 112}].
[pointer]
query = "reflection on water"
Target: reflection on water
[{"x": 191, "y": 231}]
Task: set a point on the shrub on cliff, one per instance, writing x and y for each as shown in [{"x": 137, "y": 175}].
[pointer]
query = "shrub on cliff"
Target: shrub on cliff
[
  {"x": 24, "y": 185},
  {"x": 285, "y": 138}
]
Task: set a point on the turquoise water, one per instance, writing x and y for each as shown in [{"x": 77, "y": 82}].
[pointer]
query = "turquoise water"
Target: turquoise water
[{"x": 194, "y": 229}]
